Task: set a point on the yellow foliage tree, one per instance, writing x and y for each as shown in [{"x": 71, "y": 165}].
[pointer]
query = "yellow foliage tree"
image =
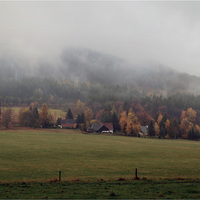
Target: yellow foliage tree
[
  {"x": 88, "y": 115},
  {"x": 197, "y": 128},
  {"x": 123, "y": 121},
  {"x": 80, "y": 106},
  {"x": 133, "y": 126},
  {"x": 167, "y": 123},
  {"x": 191, "y": 114},
  {"x": 113, "y": 110},
  {"x": 185, "y": 126},
  {"x": 159, "y": 119}
]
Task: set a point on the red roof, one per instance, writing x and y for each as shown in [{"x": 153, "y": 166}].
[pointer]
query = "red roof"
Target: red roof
[
  {"x": 67, "y": 125},
  {"x": 108, "y": 125}
]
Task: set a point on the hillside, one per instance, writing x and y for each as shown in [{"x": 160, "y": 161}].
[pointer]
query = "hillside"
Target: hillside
[{"x": 86, "y": 74}]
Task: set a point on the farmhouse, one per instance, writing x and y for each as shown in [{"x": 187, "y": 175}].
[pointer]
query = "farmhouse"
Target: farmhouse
[
  {"x": 67, "y": 123},
  {"x": 101, "y": 127}
]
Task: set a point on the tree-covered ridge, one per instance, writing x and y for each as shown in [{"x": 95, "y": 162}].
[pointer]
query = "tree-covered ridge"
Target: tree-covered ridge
[{"x": 83, "y": 68}]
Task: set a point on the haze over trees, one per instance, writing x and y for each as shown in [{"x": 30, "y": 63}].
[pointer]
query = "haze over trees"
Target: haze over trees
[{"x": 95, "y": 86}]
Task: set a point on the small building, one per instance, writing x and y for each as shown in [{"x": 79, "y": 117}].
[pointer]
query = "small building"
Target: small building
[
  {"x": 67, "y": 123},
  {"x": 101, "y": 127}
]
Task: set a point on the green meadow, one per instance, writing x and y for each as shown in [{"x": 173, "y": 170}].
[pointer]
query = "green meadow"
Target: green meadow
[
  {"x": 39, "y": 155},
  {"x": 129, "y": 189}
]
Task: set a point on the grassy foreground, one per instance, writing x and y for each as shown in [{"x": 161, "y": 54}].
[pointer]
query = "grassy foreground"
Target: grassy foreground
[
  {"x": 38, "y": 155},
  {"x": 142, "y": 189}
]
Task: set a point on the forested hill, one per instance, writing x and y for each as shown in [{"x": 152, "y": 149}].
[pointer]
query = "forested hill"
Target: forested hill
[{"x": 80, "y": 73}]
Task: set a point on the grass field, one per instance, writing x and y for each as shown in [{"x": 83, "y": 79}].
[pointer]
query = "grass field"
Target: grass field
[
  {"x": 131, "y": 189},
  {"x": 41, "y": 153}
]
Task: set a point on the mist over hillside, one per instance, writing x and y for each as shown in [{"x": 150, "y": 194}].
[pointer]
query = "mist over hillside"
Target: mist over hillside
[{"x": 91, "y": 67}]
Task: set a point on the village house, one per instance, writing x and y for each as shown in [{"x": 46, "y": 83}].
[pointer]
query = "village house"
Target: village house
[
  {"x": 101, "y": 128},
  {"x": 67, "y": 123}
]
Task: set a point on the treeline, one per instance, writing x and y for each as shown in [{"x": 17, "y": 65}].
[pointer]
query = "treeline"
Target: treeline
[
  {"x": 27, "y": 117},
  {"x": 171, "y": 117},
  {"x": 50, "y": 91}
]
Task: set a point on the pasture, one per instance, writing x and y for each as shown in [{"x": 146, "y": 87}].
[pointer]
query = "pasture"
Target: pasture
[{"x": 39, "y": 154}]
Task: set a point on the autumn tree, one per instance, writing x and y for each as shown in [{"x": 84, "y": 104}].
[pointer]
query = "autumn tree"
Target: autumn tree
[
  {"x": 157, "y": 129},
  {"x": 7, "y": 117},
  {"x": 25, "y": 117},
  {"x": 133, "y": 126},
  {"x": 167, "y": 123},
  {"x": 123, "y": 122},
  {"x": 159, "y": 119},
  {"x": 191, "y": 115},
  {"x": 185, "y": 126},
  {"x": 80, "y": 106},
  {"x": 144, "y": 118},
  {"x": 45, "y": 117},
  {"x": 99, "y": 115},
  {"x": 113, "y": 110},
  {"x": 88, "y": 115}
]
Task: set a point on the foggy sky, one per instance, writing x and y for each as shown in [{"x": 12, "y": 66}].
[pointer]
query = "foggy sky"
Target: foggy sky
[{"x": 138, "y": 31}]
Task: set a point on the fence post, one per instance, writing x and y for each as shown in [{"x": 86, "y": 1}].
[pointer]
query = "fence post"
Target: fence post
[
  {"x": 59, "y": 176},
  {"x": 136, "y": 173}
]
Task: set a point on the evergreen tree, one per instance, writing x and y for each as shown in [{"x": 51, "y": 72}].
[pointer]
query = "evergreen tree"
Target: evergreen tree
[
  {"x": 78, "y": 119},
  {"x": 115, "y": 121},
  {"x": 176, "y": 128},
  {"x": 82, "y": 118},
  {"x": 151, "y": 129},
  {"x": 162, "y": 132},
  {"x": 58, "y": 121},
  {"x": 83, "y": 126},
  {"x": 69, "y": 115},
  {"x": 106, "y": 117},
  {"x": 162, "y": 126},
  {"x": 35, "y": 118},
  {"x": 170, "y": 130}
]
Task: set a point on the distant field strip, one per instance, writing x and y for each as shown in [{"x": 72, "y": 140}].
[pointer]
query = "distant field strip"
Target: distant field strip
[
  {"x": 41, "y": 153},
  {"x": 54, "y": 112}
]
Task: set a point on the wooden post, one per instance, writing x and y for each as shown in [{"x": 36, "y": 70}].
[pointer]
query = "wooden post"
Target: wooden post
[
  {"x": 59, "y": 176},
  {"x": 135, "y": 173}
]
